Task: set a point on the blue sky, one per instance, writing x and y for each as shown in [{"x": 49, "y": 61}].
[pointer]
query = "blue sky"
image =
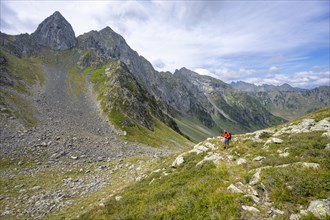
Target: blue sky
[{"x": 271, "y": 42}]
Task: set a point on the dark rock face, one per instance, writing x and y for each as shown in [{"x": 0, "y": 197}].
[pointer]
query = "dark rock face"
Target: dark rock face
[
  {"x": 19, "y": 45},
  {"x": 55, "y": 33}
]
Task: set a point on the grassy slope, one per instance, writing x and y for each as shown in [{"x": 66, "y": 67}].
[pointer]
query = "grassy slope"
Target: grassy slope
[
  {"x": 160, "y": 136},
  {"x": 25, "y": 72},
  {"x": 194, "y": 129},
  {"x": 245, "y": 111},
  {"x": 200, "y": 192}
]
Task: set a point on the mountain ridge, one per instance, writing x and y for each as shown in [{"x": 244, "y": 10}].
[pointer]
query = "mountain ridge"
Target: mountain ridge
[
  {"x": 286, "y": 101},
  {"x": 249, "y": 87},
  {"x": 199, "y": 100}
]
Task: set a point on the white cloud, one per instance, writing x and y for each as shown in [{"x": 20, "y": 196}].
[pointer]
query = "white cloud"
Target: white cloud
[
  {"x": 305, "y": 79},
  {"x": 248, "y": 71},
  {"x": 274, "y": 69},
  {"x": 202, "y": 71},
  {"x": 158, "y": 63}
]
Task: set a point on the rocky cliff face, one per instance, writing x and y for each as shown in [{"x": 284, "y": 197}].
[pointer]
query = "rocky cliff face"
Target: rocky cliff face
[{"x": 55, "y": 33}]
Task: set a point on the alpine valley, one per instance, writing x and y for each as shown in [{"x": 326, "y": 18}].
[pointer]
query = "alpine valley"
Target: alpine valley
[{"x": 83, "y": 118}]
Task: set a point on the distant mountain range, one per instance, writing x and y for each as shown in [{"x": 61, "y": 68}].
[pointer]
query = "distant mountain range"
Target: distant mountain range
[
  {"x": 286, "y": 101},
  {"x": 249, "y": 87},
  {"x": 134, "y": 95}
]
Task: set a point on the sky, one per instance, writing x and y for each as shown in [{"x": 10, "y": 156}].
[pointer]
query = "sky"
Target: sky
[{"x": 261, "y": 42}]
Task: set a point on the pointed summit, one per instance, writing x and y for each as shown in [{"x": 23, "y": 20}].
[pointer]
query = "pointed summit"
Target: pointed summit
[{"x": 55, "y": 33}]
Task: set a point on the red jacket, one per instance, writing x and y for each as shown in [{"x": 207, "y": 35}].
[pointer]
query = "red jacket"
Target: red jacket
[{"x": 226, "y": 135}]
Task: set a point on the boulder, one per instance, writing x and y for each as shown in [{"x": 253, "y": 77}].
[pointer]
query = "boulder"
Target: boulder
[
  {"x": 250, "y": 209},
  {"x": 326, "y": 134},
  {"x": 274, "y": 140},
  {"x": 247, "y": 189},
  {"x": 284, "y": 153},
  {"x": 199, "y": 149},
  {"x": 255, "y": 178},
  {"x": 254, "y": 198},
  {"x": 327, "y": 147},
  {"x": 323, "y": 125},
  {"x": 215, "y": 158},
  {"x": 309, "y": 165},
  {"x": 241, "y": 161},
  {"x": 118, "y": 198},
  {"x": 210, "y": 146},
  {"x": 259, "y": 158},
  {"x": 295, "y": 217},
  {"x": 320, "y": 208},
  {"x": 179, "y": 160},
  {"x": 233, "y": 189},
  {"x": 303, "y": 127}
]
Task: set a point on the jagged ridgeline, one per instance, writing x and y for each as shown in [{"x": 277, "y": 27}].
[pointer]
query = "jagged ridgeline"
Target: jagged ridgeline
[{"x": 132, "y": 93}]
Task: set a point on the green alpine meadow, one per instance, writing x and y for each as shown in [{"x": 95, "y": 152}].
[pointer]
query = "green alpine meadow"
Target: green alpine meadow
[{"x": 89, "y": 129}]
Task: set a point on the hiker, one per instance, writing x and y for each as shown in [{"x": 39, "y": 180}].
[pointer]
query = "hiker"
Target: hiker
[{"x": 227, "y": 137}]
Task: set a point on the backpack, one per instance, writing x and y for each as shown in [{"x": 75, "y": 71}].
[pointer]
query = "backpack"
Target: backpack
[{"x": 229, "y": 138}]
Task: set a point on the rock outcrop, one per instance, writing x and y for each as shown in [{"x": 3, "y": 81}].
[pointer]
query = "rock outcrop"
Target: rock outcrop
[{"x": 55, "y": 33}]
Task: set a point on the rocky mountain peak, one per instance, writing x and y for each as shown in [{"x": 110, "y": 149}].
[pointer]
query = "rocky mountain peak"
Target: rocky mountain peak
[
  {"x": 56, "y": 33},
  {"x": 107, "y": 29},
  {"x": 185, "y": 72}
]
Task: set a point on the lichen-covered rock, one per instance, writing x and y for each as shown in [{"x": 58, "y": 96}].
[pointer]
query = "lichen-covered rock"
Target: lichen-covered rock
[
  {"x": 323, "y": 125},
  {"x": 295, "y": 217},
  {"x": 309, "y": 165},
  {"x": 250, "y": 209},
  {"x": 247, "y": 189},
  {"x": 215, "y": 158},
  {"x": 179, "y": 160},
  {"x": 199, "y": 149},
  {"x": 304, "y": 126},
  {"x": 233, "y": 189},
  {"x": 320, "y": 208},
  {"x": 210, "y": 146},
  {"x": 326, "y": 134},
  {"x": 241, "y": 161},
  {"x": 283, "y": 153},
  {"x": 255, "y": 178},
  {"x": 274, "y": 140},
  {"x": 259, "y": 158}
]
